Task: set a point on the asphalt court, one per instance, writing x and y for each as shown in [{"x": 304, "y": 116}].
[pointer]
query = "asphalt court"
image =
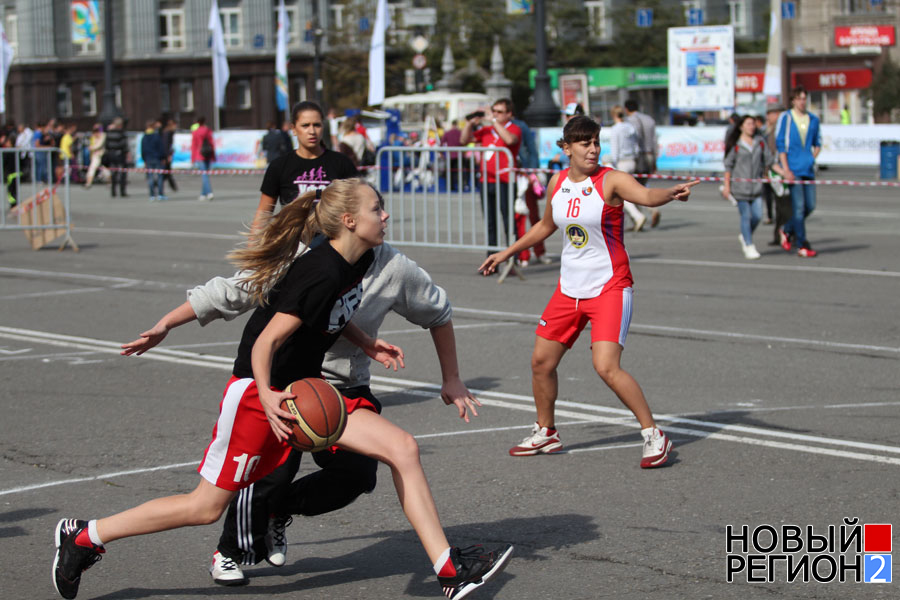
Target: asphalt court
[{"x": 776, "y": 378}]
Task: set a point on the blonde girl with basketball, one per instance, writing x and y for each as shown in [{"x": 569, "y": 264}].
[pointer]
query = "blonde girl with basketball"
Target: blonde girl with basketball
[
  {"x": 595, "y": 285},
  {"x": 302, "y": 312}
]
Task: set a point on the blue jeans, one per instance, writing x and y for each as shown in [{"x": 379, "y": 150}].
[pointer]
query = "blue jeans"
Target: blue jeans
[
  {"x": 204, "y": 165},
  {"x": 803, "y": 202},
  {"x": 154, "y": 180},
  {"x": 751, "y": 214}
]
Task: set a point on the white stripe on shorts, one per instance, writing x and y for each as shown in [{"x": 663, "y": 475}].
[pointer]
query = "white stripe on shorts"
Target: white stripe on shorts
[
  {"x": 218, "y": 449},
  {"x": 627, "y": 294}
]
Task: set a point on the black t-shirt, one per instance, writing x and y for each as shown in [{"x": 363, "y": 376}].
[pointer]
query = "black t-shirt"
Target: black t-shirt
[
  {"x": 324, "y": 291},
  {"x": 285, "y": 176}
]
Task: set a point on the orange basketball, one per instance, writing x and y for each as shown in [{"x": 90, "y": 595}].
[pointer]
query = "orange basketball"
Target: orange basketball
[{"x": 320, "y": 414}]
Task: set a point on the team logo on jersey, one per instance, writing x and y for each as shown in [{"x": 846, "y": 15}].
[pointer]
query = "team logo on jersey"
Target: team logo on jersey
[
  {"x": 587, "y": 191},
  {"x": 565, "y": 190},
  {"x": 577, "y": 235}
]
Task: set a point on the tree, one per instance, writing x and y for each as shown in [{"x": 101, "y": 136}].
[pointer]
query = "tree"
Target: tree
[{"x": 885, "y": 90}]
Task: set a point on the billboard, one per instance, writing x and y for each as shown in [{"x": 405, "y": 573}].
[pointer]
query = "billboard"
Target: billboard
[{"x": 701, "y": 68}]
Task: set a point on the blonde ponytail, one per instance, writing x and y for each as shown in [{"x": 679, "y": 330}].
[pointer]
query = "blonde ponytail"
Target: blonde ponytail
[{"x": 270, "y": 250}]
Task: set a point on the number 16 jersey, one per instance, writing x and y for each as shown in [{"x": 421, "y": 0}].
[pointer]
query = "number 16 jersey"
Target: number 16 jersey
[{"x": 593, "y": 254}]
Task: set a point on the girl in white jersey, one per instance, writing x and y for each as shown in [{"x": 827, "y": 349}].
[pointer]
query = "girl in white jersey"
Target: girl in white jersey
[{"x": 594, "y": 284}]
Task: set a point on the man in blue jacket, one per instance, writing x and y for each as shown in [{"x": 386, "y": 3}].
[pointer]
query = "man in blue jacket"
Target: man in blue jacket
[
  {"x": 798, "y": 139},
  {"x": 153, "y": 153}
]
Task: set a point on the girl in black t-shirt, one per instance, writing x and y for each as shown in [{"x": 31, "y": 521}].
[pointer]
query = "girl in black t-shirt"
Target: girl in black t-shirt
[
  {"x": 305, "y": 303},
  {"x": 294, "y": 173}
]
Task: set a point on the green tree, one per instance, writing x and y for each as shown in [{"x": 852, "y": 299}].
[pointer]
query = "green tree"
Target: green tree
[
  {"x": 635, "y": 46},
  {"x": 885, "y": 91}
]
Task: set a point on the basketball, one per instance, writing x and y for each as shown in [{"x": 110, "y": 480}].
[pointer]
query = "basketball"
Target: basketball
[{"x": 319, "y": 412}]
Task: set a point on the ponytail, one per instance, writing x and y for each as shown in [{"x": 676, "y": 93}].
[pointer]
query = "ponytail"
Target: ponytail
[{"x": 271, "y": 249}]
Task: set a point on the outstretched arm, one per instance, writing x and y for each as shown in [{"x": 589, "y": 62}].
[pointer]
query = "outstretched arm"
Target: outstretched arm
[
  {"x": 622, "y": 186},
  {"x": 453, "y": 390},
  {"x": 153, "y": 336},
  {"x": 538, "y": 233}
]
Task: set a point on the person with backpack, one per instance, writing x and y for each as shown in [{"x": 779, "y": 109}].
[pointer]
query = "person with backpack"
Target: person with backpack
[
  {"x": 747, "y": 156},
  {"x": 203, "y": 155},
  {"x": 274, "y": 143}
]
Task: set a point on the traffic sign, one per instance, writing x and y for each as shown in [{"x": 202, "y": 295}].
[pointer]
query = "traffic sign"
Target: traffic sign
[
  {"x": 788, "y": 10},
  {"x": 419, "y": 61},
  {"x": 695, "y": 16},
  {"x": 644, "y": 17}
]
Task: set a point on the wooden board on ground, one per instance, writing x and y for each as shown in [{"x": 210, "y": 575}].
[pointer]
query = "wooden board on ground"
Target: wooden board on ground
[{"x": 36, "y": 212}]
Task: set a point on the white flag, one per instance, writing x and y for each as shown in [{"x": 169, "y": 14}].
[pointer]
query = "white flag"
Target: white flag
[
  {"x": 6, "y": 57},
  {"x": 772, "y": 81},
  {"x": 281, "y": 81},
  {"x": 219, "y": 60},
  {"x": 376, "y": 54}
]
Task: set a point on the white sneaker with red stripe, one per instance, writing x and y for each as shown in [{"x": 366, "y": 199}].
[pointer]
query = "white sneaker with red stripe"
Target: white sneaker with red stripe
[
  {"x": 541, "y": 441},
  {"x": 657, "y": 446}
]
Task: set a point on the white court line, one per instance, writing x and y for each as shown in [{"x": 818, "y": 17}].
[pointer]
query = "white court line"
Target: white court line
[
  {"x": 765, "y": 267},
  {"x": 37, "y": 486},
  {"x": 116, "y": 281},
  {"x": 490, "y": 398},
  {"x": 186, "y": 234},
  {"x": 637, "y": 327}
]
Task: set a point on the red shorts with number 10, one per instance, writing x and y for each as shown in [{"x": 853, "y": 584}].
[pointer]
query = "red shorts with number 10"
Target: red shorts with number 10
[
  {"x": 565, "y": 317},
  {"x": 244, "y": 449}
]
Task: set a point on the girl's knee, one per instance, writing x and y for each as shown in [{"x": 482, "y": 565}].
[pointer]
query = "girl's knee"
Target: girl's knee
[
  {"x": 606, "y": 370},
  {"x": 404, "y": 450}
]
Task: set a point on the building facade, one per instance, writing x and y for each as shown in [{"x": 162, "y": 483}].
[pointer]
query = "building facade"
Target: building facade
[{"x": 162, "y": 61}]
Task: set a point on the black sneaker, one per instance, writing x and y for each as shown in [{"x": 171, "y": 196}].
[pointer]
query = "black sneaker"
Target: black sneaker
[
  {"x": 474, "y": 566},
  {"x": 71, "y": 560}
]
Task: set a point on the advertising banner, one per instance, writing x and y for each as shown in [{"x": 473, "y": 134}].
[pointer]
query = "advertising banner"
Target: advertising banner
[
  {"x": 701, "y": 68},
  {"x": 85, "y": 21},
  {"x": 864, "y": 35},
  {"x": 234, "y": 150}
]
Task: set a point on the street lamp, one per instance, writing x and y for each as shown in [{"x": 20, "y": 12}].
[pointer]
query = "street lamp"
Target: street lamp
[
  {"x": 543, "y": 111},
  {"x": 109, "y": 111}
]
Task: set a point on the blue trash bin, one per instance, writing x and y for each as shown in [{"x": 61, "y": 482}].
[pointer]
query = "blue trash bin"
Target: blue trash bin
[{"x": 890, "y": 152}]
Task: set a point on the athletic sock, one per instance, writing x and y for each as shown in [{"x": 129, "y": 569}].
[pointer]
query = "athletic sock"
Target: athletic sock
[
  {"x": 92, "y": 532},
  {"x": 444, "y": 566}
]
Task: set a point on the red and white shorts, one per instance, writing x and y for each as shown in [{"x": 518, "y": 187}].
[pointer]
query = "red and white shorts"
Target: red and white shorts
[
  {"x": 244, "y": 449},
  {"x": 609, "y": 315}
]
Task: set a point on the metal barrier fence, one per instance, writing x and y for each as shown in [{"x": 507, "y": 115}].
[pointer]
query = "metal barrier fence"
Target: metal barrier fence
[
  {"x": 444, "y": 196},
  {"x": 31, "y": 195}
]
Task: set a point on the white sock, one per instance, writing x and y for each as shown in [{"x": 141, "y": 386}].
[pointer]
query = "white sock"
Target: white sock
[
  {"x": 441, "y": 561},
  {"x": 92, "y": 533}
]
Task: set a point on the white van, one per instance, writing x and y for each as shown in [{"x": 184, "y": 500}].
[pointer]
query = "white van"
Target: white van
[{"x": 444, "y": 106}]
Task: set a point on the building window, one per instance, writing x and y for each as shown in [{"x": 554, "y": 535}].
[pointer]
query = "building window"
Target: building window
[
  {"x": 64, "y": 100},
  {"x": 186, "y": 95},
  {"x": 244, "y": 98},
  {"x": 12, "y": 31},
  {"x": 293, "y": 17},
  {"x": 88, "y": 99},
  {"x": 297, "y": 89},
  {"x": 854, "y": 7},
  {"x": 165, "y": 97},
  {"x": 597, "y": 18},
  {"x": 738, "y": 12},
  {"x": 337, "y": 16},
  {"x": 231, "y": 27},
  {"x": 171, "y": 28}
]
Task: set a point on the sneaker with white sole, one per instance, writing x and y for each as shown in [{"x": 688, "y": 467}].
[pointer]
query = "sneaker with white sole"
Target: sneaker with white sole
[
  {"x": 72, "y": 558},
  {"x": 541, "y": 441},
  {"x": 544, "y": 259},
  {"x": 750, "y": 251},
  {"x": 470, "y": 568},
  {"x": 657, "y": 446},
  {"x": 225, "y": 571},
  {"x": 276, "y": 541}
]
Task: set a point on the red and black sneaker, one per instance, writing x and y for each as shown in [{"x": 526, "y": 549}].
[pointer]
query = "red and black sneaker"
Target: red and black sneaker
[
  {"x": 470, "y": 568},
  {"x": 73, "y": 556}
]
